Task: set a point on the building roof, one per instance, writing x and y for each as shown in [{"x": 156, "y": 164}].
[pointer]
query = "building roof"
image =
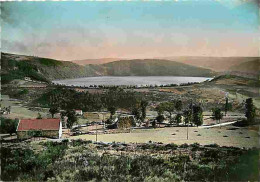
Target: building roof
[{"x": 38, "y": 124}]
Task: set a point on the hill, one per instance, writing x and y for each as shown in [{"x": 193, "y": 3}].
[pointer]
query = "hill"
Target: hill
[
  {"x": 95, "y": 61},
  {"x": 151, "y": 67},
  {"x": 252, "y": 67},
  {"x": 44, "y": 69},
  {"x": 218, "y": 64}
]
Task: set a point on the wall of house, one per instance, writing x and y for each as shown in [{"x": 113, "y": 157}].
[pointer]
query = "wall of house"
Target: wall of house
[
  {"x": 45, "y": 133},
  {"x": 60, "y": 130}
]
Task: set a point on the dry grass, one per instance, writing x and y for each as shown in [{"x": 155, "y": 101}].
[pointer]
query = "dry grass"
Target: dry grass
[{"x": 241, "y": 137}]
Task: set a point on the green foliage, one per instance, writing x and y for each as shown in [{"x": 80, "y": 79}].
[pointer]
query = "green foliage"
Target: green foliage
[
  {"x": 39, "y": 116},
  {"x": 53, "y": 110},
  {"x": 160, "y": 118},
  {"x": 187, "y": 116},
  {"x": 24, "y": 164},
  {"x": 80, "y": 161},
  {"x": 136, "y": 111},
  {"x": 228, "y": 106},
  {"x": 34, "y": 133},
  {"x": 178, "y": 105},
  {"x": 152, "y": 67},
  {"x": 49, "y": 62},
  {"x": 197, "y": 117},
  {"x": 72, "y": 118},
  {"x": 69, "y": 99},
  {"x": 250, "y": 110},
  {"x": 168, "y": 107},
  {"x": 139, "y": 110},
  {"x": 217, "y": 114},
  {"x": 19, "y": 70},
  {"x": 8, "y": 125},
  {"x": 144, "y": 104},
  {"x": 178, "y": 118}
]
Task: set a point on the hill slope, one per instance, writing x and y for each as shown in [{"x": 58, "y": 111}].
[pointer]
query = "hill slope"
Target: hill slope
[
  {"x": 218, "y": 64},
  {"x": 248, "y": 67},
  {"x": 151, "y": 67},
  {"x": 43, "y": 69},
  {"x": 95, "y": 61}
]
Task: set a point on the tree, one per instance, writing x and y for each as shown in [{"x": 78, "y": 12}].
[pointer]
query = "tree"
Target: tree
[
  {"x": 178, "y": 105},
  {"x": 168, "y": 107},
  {"x": 228, "y": 106},
  {"x": 53, "y": 110},
  {"x": 72, "y": 118},
  {"x": 8, "y": 125},
  {"x": 197, "y": 117},
  {"x": 154, "y": 123},
  {"x": 187, "y": 116},
  {"x": 178, "y": 118},
  {"x": 39, "y": 116},
  {"x": 144, "y": 104},
  {"x": 112, "y": 110},
  {"x": 137, "y": 113},
  {"x": 250, "y": 110},
  {"x": 217, "y": 115},
  {"x": 160, "y": 118}
]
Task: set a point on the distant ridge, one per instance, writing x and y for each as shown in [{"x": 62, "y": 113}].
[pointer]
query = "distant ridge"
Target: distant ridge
[
  {"x": 44, "y": 69},
  {"x": 95, "y": 61},
  {"x": 248, "y": 67},
  {"x": 152, "y": 67},
  {"x": 218, "y": 64}
]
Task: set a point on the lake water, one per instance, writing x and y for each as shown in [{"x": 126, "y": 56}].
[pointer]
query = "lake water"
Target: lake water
[{"x": 130, "y": 80}]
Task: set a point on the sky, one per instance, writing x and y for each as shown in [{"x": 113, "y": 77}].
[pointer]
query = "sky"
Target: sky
[{"x": 136, "y": 29}]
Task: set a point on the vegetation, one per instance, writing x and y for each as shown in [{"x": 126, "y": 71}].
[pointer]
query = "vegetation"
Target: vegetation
[
  {"x": 197, "y": 118},
  {"x": 151, "y": 67},
  {"x": 8, "y": 125},
  {"x": 53, "y": 110},
  {"x": 44, "y": 69},
  {"x": 72, "y": 118},
  {"x": 250, "y": 110},
  {"x": 69, "y": 99},
  {"x": 24, "y": 164},
  {"x": 187, "y": 116},
  {"x": 178, "y": 119},
  {"x": 217, "y": 114},
  {"x": 82, "y": 161},
  {"x": 125, "y": 123},
  {"x": 13, "y": 69},
  {"x": 228, "y": 106},
  {"x": 168, "y": 107}
]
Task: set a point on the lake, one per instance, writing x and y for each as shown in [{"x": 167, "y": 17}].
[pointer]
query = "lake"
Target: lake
[{"x": 130, "y": 80}]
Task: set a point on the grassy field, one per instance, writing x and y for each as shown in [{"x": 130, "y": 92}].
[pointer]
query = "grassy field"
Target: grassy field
[
  {"x": 226, "y": 136},
  {"x": 18, "y": 110}
]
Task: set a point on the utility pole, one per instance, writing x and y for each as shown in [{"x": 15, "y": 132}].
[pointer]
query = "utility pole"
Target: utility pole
[
  {"x": 188, "y": 120},
  {"x": 96, "y": 131},
  {"x": 188, "y": 131}
]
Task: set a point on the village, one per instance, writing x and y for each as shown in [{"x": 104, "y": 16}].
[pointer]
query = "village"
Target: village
[
  {"x": 156, "y": 122},
  {"x": 52, "y": 136}
]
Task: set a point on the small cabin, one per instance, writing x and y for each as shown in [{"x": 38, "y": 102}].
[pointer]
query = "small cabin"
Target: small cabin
[
  {"x": 28, "y": 128},
  {"x": 27, "y": 79},
  {"x": 79, "y": 112}
]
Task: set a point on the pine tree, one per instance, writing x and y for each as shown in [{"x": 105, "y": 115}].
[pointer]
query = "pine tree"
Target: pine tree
[{"x": 250, "y": 110}]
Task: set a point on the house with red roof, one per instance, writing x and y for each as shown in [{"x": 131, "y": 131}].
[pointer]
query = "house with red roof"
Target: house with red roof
[{"x": 27, "y": 128}]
